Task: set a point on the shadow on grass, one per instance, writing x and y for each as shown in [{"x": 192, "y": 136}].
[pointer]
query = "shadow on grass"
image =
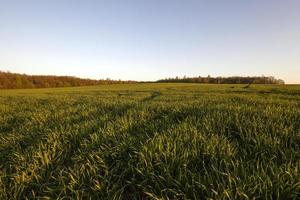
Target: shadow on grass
[{"x": 153, "y": 95}]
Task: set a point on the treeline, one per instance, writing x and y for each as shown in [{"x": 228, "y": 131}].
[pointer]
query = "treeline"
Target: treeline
[
  {"x": 225, "y": 80},
  {"x": 15, "y": 81}
]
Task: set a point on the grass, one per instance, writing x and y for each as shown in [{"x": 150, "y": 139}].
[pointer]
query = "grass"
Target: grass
[{"x": 151, "y": 141}]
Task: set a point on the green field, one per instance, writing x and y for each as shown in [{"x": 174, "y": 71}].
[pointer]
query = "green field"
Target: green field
[{"x": 151, "y": 141}]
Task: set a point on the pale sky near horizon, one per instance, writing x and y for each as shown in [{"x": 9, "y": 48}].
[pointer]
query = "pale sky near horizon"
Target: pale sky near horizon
[{"x": 151, "y": 39}]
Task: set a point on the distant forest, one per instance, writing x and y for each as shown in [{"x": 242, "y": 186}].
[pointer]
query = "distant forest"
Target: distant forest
[
  {"x": 14, "y": 81},
  {"x": 225, "y": 80}
]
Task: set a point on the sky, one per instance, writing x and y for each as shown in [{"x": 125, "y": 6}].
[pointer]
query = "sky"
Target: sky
[{"x": 151, "y": 39}]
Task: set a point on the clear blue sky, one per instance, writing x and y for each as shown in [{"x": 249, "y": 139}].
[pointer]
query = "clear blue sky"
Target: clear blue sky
[{"x": 151, "y": 39}]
